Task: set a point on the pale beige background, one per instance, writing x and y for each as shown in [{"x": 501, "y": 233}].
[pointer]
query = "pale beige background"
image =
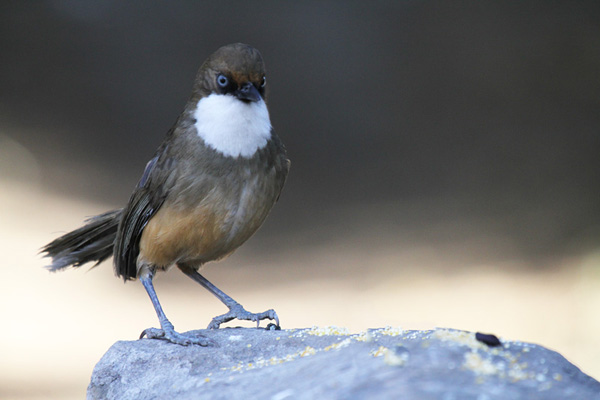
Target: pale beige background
[{"x": 55, "y": 327}]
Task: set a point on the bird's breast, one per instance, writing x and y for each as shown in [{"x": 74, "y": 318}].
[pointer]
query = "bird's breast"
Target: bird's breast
[{"x": 195, "y": 229}]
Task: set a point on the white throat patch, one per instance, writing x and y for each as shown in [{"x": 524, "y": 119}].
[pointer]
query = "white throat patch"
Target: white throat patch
[{"x": 232, "y": 127}]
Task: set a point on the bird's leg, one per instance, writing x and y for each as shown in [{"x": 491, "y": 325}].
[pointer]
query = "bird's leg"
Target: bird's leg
[
  {"x": 167, "y": 331},
  {"x": 236, "y": 311}
]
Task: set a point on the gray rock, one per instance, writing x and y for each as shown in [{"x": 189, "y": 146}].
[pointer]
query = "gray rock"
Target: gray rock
[{"x": 330, "y": 363}]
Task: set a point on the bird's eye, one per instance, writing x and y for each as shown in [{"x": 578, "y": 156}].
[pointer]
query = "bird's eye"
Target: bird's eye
[
  {"x": 222, "y": 80},
  {"x": 263, "y": 83}
]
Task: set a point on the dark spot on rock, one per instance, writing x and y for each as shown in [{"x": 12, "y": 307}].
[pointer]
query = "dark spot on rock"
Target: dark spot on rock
[{"x": 489, "y": 339}]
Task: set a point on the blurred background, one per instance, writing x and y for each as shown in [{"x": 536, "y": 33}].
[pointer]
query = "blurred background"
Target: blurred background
[{"x": 444, "y": 170}]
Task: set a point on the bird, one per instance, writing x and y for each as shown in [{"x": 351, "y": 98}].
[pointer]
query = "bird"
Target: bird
[{"x": 208, "y": 188}]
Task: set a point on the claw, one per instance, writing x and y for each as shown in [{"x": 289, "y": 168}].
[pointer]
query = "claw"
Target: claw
[{"x": 145, "y": 332}]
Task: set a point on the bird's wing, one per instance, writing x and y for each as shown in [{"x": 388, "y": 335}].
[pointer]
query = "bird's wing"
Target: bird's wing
[{"x": 146, "y": 200}]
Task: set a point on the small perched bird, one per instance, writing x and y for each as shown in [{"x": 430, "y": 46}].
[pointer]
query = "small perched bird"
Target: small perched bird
[{"x": 207, "y": 189}]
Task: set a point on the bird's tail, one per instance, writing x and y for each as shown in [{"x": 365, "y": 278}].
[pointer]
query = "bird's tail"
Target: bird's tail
[{"x": 92, "y": 242}]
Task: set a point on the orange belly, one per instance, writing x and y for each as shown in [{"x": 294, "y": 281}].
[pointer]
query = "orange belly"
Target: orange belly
[
  {"x": 174, "y": 235},
  {"x": 202, "y": 232}
]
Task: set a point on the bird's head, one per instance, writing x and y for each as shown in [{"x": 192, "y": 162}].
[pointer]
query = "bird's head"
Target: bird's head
[{"x": 235, "y": 69}]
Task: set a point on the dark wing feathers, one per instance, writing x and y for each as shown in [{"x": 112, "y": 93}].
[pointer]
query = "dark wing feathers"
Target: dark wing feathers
[
  {"x": 145, "y": 201},
  {"x": 137, "y": 215}
]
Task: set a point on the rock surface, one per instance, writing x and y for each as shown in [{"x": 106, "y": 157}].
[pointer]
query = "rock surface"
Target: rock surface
[{"x": 330, "y": 363}]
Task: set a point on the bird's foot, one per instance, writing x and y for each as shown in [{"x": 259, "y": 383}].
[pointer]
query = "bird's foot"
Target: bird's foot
[
  {"x": 168, "y": 333},
  {"x": 238, "y": 312}
]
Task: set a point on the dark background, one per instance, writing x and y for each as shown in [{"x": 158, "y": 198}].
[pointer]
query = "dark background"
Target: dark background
[{"x": 484, "y": 112}]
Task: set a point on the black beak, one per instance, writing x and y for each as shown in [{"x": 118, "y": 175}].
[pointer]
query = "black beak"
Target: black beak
[{"x": 247, "y": 93}]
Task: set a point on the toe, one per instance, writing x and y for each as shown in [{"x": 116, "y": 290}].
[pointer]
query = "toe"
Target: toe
[
  {"x": 238, "y": 312},
  {"x": 175, "y": 337}
]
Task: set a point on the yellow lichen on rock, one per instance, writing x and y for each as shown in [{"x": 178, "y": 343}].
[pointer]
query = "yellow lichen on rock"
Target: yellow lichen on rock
[
  {"x": 480, "y": 366},
  {"x": 379, "y": 352},
  {"x": 459, "y": 337},
  {"x": 326, "y": 331},
  {"x": 364, "y": 336},
  {"x": 390, "y": 331},
  {"x": 308, "y": 351},
  {"x": 338, "y": 345}
]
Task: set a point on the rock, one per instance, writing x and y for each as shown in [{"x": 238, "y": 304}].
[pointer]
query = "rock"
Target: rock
[{"x": 331, "y": 363}]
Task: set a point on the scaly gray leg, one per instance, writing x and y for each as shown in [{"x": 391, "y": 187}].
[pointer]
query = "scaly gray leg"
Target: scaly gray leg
[
  {"x": 236, "y": 311},
  {"x": 167, "y": 331}
]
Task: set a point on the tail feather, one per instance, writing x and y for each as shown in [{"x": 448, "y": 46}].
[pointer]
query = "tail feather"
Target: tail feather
[{"x": 92, "y": 242}]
